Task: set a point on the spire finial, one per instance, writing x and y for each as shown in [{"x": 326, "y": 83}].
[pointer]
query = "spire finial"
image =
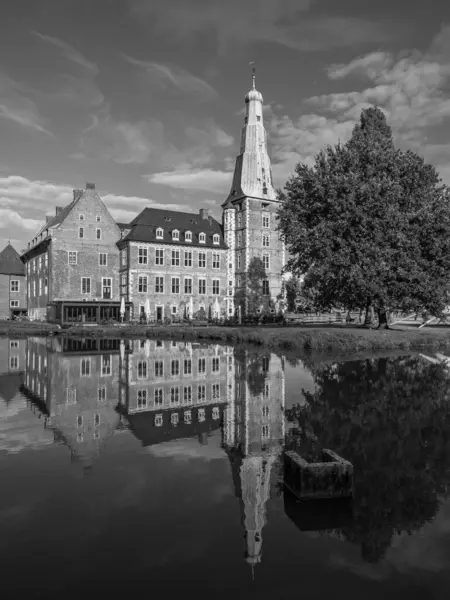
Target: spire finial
[{"x": 252, "y": 64}]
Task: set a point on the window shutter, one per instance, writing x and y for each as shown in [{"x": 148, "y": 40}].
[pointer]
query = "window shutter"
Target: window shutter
[{"x": 99, "y": 289}]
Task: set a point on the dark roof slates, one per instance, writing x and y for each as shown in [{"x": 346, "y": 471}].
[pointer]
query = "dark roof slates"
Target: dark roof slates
[{"x": 10, "y": 263}]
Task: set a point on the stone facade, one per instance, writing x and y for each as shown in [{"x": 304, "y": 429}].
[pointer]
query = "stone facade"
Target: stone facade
[
  {"x": 13, "y": 285},
  {"x": 75, "y": 256}
]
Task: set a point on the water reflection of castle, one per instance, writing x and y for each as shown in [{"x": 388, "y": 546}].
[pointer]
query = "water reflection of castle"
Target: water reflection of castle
[{"x": 87, "y": 390}]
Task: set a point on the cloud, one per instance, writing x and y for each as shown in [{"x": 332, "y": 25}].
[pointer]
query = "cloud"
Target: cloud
[
  {"x": 291, "y": 23},
  {"x": 17, "y": 107},
  {"x": 120, "y": 141},
  {"x": 207, "y": 180},
  {"x": 411, "y": 88},
  {"x": 24, "y": 204},
  {"x": 175, "y": 77},
  {"x": 11, "y": 218},
  {"x": 69, "y": 52}
]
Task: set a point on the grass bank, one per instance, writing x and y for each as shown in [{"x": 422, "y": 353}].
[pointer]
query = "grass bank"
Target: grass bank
[{"x": 333, "y": 338}]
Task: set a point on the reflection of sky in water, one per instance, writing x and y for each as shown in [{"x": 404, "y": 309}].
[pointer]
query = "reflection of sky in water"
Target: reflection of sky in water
[{"x": 166, "y": 516}]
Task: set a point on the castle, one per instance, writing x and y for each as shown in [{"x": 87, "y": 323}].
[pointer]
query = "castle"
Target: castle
[{"x": 83, "y": 266}]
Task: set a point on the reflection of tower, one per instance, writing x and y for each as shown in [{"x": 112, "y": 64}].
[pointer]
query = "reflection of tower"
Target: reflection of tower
[{"x": 253, "y": 437}]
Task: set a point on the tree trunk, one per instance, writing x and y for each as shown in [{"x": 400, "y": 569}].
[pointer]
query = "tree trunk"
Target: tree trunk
[
  {"x": 368, "y": 317},
  {"x": 382, "y": 318}
]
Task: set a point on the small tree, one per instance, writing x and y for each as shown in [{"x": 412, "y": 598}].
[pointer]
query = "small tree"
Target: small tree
[{"x": 369, "y": 225}]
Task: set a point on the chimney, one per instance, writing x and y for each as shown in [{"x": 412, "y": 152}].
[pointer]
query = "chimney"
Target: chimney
[
  {"x": 90, "y": 186},
  {"x": 204, "y": 213},
  {"x": 58, "y": 209},
  {"x": 77, "y": 193}
]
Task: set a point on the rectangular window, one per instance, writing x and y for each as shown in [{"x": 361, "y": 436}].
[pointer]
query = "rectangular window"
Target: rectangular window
[
  {"x": 202, "y": 260},
  {"x": 159, "y": 368},
  {"x": 215, "y": 391},
  {"x": 202, "y": 366},
  {"x": 239, "y": 238},
  {"x": 13, "y": 362},
  {"x": 159, "y": 285},
  {"x": 159, "y": 258},
  {"x": 175, "y": 367},
  {"x": 81, "y": 233},
  {"x": 188, "y": 258},
  {"x": 215, "y": 364},
  {"x": 238, "y": 261},
  {"x": 46, "y": 259},
  {"x": 174, "y": 395},
  {"x": 266, "y": 220},
  {"x": 14, "y": 344},
  {"x": 14, "y": 303},
  {"x": 40, "y": 287},
  {"x": 142, "y": 284},
  {"x": 215, "y": 286},
  {"x": 187, "y": 366},
  {"x": 175, "y": 285},
  {"x": 96, "y": 420},
  {"x": 71, "y": 395},
  {"x": 85, "y": 285},
  {"x": 187, "y": 394},
  {"x": 107, "y": 288},
  {"x": 34, "y": 288},
  {"x": 46, "y": 286},
  {"x": 266, "y": 261},
  {"x": 101, "y": 394},
  {"x": 142, "y": 399},
  {"x": 106, "y": 365},
  {"x": 239, "y": 220},
  {"x": 265, "y": 240},
  {"x": 85, "y": 367},
  {"x": 14, "y": 285},
  {"x": 124, "y": 257},
  {"x": 142, "y": 256},
  {"x": 201, "y": 393},
  {"x": 265, "y": 287},
  {"x": 142, "y": 369},
  {"x": 103, "y": 259},
  {"x": 98, "y": 234},
  {"x": 72, "y": 257},
  {"x": 175, "y": 258},
  {"x": 216, "y": 260},
  {"x": 188, "y": 285},
  {"x": 202, "y": 286},
  {"x": 158, "y": 397}
]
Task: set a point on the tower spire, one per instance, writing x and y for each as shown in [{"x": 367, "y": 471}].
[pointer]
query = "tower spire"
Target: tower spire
[{"x": 253, "y": 66}]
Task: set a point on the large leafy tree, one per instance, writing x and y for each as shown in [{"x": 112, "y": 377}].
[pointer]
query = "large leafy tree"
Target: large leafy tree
[{"x": 369, "y": 225}]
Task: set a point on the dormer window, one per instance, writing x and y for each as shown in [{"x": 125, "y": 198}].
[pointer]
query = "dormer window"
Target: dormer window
[
  {"x": 202, "y": 238},
  {"x": 216, "y": 239},
  {"x": 175, "y": 234},
  {"x": 167, "y": 219},
  {"x": 81, "y": 217},
  {"x": 159, "y": 234},
  {"x": 188, "y": 236}
]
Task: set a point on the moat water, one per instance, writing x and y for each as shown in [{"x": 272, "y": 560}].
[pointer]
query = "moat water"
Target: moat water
[{"x": 158, "y": 469}]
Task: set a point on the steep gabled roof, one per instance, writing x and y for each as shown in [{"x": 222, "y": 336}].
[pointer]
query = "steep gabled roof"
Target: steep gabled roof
[
  {"x": 10, "y": 263},
  {"x": 143, "y": 228}
]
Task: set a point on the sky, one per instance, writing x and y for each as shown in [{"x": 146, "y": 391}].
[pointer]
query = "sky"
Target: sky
[{"x": 145, "y": 98}]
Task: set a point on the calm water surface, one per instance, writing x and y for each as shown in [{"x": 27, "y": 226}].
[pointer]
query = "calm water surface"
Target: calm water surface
[{"x": 156, "y": 468}]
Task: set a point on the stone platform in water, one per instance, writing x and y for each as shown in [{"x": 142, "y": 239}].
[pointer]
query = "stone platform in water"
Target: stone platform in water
[{"x": 330, "y": 478}]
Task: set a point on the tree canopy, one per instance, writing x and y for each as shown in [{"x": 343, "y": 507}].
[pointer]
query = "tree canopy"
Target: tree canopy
[{"x": 369, "y": 224}]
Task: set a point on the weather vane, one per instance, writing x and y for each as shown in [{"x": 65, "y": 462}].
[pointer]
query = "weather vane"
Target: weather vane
[{"x": 252, "y": 64}]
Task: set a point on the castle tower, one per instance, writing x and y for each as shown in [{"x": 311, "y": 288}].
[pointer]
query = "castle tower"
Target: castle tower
[
  {"x": 249, "y": 220},
  {"x": 253, "y": 438}
]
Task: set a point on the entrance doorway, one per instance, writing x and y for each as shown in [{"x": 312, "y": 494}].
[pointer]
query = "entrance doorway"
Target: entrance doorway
[{"x": 159, "y": 313}]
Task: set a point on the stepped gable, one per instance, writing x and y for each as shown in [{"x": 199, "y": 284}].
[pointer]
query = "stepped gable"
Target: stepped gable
[
  {"x": 10, "y": 263},
  {"x": 143, "y": 227}
]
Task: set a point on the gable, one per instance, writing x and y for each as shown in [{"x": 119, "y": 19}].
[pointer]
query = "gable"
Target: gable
[{"x": 10, "y": 263}]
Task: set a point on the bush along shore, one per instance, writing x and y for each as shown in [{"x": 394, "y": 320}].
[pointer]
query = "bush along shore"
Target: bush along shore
[{"x": 320, "y": 338}]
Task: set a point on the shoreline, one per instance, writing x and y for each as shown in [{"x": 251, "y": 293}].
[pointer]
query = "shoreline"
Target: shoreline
[{"x": 341, "y": 339}]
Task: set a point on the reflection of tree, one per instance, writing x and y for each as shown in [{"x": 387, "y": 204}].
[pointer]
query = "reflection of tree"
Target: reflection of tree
[
  {"x": 390, "y": 418},
  {"x": 257, "y": 367}
]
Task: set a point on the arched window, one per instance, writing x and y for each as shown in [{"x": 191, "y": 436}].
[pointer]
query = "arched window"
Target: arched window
[
  {"x": 81, "y": 217},
  {"x": 216, "y": 239},
  {"x": 188, "y": 236},
  {"x": 202, "y": 238},
  {"x": 159, "y": 233},
  {"x": 175, "y": 234}
]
